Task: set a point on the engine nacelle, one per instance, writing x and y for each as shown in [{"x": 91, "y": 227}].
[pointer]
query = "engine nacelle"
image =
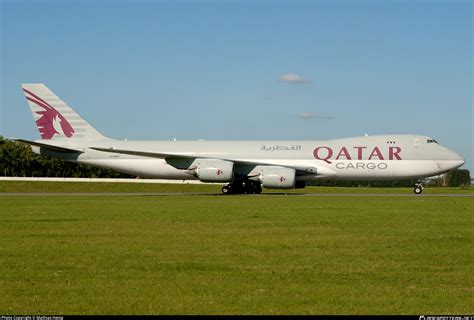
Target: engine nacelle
[
  {"x": 210, "y": 170},
  {"x": 277, "y": 177}
]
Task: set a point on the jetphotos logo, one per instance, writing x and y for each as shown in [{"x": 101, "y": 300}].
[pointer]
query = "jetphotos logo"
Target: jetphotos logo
[
  {"x": 50, "y": 122},
  {"x": 357, "y": 153}
]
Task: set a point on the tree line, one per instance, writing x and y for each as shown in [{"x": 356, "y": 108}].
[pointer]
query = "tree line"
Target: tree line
[{"x": 18, "y": 160}]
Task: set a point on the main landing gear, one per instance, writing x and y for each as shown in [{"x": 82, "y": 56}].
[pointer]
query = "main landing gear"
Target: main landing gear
[
  {"x": 418, "y": 189},
  {"x": 241, "y": 187}
]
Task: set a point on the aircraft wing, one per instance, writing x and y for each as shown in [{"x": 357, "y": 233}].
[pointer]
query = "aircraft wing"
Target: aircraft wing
[
  {"x": 146, "y": 154},
  {"x": 299, "y": 170}
]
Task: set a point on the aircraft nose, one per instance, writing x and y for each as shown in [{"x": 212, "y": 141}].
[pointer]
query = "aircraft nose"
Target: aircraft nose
[{"x": 455, "y": 159}]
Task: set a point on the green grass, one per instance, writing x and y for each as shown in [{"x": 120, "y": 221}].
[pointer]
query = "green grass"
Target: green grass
[
  {"x": 103, "y": 187},
  {"x": 206, "y": 254},
  {"x": 68, "y": 187}
]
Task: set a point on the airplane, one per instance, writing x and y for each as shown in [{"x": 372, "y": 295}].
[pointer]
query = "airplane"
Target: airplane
[{"x": 242, "y": 166}]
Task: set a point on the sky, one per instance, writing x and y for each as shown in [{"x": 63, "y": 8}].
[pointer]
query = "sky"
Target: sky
[{"x": 245, "y": 70}]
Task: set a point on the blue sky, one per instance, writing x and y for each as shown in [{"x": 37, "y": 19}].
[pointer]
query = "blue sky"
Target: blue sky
[{"x": 212, "y": 69}]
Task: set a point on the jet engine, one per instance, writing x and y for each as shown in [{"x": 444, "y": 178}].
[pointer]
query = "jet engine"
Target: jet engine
[
  {"x": 277, "y": 177},
  {"x": 213, "y": 170}
]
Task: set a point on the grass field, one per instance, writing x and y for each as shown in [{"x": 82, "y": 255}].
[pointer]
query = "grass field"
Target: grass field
[
  {"x": 82, "y": 187},
  {"x": 208, "y": 254}
]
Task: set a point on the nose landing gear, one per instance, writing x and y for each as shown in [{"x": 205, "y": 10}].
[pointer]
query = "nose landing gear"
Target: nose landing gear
[{"x": 418, "y": 189}]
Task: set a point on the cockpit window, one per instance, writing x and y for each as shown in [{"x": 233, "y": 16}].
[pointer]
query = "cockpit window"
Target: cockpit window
[{"x": 431, "y": 141}]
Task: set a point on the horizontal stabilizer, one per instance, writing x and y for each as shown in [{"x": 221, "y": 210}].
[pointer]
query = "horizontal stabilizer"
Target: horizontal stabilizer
[{"x": 49, "y": 147}]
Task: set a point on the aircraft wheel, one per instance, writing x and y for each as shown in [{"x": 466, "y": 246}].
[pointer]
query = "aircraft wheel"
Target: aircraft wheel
[
  {"x": 418, "y": 188},
  {"x": 258, "y": 189},
  {"x": 249, "y": 187},
  {"x": 226, "y": 189}
]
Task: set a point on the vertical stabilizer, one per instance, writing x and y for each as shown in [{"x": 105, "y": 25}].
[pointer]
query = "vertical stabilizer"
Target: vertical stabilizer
[{"x": 54, "y": 118}]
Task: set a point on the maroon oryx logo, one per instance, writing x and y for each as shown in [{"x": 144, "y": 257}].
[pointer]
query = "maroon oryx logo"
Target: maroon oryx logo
[{"x": 51, "y": 122}]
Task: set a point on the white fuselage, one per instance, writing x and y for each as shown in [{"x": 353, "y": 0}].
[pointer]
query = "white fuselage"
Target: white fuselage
[
  {"x": 369, "y": 158},
  {"x": 245, "y": 165}
]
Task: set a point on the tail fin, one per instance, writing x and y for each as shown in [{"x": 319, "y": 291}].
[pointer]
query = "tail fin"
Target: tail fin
[{"x": 54, "y": 118}]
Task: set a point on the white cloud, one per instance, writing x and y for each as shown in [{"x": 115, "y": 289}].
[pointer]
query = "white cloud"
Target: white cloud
[
  {"x": 306, "y": 115},
  {"x": 293, "y": 78},
  {"x": 311, "y": 115}
]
